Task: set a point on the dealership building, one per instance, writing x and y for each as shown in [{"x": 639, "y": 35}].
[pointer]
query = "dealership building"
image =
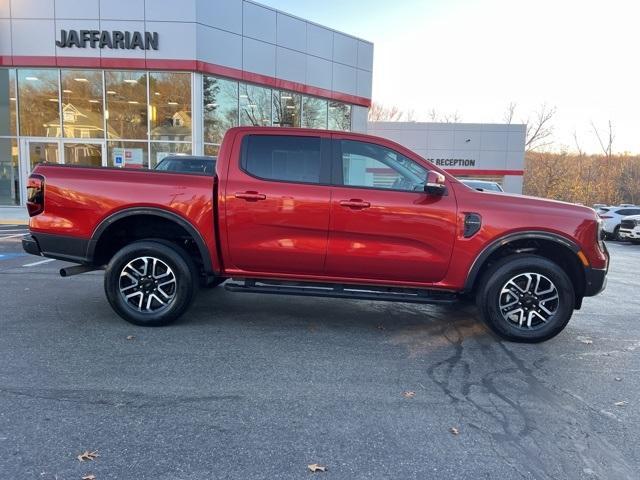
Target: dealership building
[{"x": 124, "y": 83}]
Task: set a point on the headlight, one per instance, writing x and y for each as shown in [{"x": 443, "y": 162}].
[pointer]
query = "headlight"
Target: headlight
[{"x": 638, "y": 223}]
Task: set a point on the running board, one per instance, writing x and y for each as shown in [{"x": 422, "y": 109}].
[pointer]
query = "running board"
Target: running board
[{"x": 354, "y": 292}]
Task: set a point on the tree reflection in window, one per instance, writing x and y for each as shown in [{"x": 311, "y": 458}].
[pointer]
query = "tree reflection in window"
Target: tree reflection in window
[
  {"x": 220, "y": 108},
  {"x": 286, "y": 109},
  {"x": 170, "y": 106},
  {"x": 314, "y": 112},
  {"x": 82, "y": 104},
  {"x": 38, "y": 101},
  {"x": 126, "y": 104},
  {"x": 255, "y": 106},
  {"x": 339, "y": 116}
]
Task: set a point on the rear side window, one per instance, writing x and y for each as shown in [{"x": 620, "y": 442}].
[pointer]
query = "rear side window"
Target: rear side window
[{"x": 284, "y": 158}]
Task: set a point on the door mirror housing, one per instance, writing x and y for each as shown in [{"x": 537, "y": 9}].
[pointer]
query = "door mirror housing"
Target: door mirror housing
[{"x": 435, "y": 184}]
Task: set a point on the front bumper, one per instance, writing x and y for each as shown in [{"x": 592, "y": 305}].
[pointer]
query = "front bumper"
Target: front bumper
[
  {"x": 596, "y": 278},
  {"x": 626, "y": 234}
]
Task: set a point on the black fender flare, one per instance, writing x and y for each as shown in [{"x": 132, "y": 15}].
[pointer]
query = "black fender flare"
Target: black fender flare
[
  {"x": 506, "y": 239},
  {"x": 158, "y": 212}
]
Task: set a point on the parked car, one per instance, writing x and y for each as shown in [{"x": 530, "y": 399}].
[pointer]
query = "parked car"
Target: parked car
[
  {"x": 187, "y": 164},
  {"x": 630, "y": 229},
  {"x": 318, "y": 213},
  {"x": 482, "y": 185},
  {"x": 612, "y": 217}
]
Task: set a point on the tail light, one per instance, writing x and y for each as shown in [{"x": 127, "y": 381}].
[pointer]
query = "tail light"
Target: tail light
[{"x": 35, "y": 195}]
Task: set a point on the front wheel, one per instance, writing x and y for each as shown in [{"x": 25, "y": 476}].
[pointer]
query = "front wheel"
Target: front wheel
[
  {"x": 526, "y": 298},
  {"x": 150, "y": 283}
]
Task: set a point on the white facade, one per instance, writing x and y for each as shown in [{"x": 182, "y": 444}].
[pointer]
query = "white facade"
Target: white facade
[
  {"x": 471, "y": 150},
  {"x": 93, "y": 82}
]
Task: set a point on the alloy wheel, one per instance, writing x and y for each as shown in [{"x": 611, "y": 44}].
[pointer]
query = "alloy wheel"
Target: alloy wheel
[
  {"x": 147, "y": 284},
  {"x": 528, "y": 300}
]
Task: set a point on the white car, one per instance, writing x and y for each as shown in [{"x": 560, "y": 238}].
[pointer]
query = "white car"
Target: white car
[
  {"x": 630, "y": 228},
  {"x": 611, "y": 218}
]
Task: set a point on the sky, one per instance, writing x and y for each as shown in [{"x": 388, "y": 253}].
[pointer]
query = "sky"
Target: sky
[{"x": 475, "y": 57}]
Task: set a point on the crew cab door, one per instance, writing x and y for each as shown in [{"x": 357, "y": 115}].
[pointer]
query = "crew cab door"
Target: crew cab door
[
  {"x": 277, "y": 203},
  {"x": 383, "y": 225}
]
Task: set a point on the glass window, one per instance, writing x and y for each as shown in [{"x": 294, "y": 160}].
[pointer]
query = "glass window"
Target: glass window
[
  {"x": 280, "y": 157},
  {"x": 286, "y": 109},
  {"x": 127, "y": 154},
  {"x": 8, "y": 102},
  {"x": 9, "y": 172},
  {"x": 159, "y": 150},
  {"x": 255, "y": 106},
  {"x": 211, "y": 150},
  {"x": 126, "y": 104},
  {"x": 88, "y": 154},
  {"x": 368, "y": 165},
  {"x": 170, "y": 111},
  {"x": 220, "y": 108},
  {"x": 40, "y": 152},
  {"x": 339, "y": 116},
  {"x": 314, "y": 112},
  {"x": 82, "y": 103},
  {"x": 38, "y": 102}
]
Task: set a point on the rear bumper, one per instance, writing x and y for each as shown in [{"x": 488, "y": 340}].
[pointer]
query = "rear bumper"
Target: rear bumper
[
  {"x": 30, "y": 245},
  {"x": 61, "y": 247}
]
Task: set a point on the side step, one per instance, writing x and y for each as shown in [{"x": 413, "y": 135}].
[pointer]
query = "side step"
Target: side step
[{"x": 357, "y": 292}]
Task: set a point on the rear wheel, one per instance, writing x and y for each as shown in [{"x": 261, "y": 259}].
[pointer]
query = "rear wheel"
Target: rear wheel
[
  {"x": 526, "y": 298},
  {"x": 150, "y": 283},
  {"x": 616, "y": 234}
]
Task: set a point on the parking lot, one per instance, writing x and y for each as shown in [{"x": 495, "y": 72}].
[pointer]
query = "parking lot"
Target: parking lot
[{"x": 248, "y": 386}]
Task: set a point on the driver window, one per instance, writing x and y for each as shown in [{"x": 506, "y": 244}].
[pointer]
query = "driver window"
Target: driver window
[{"x": 373, "y": 166}]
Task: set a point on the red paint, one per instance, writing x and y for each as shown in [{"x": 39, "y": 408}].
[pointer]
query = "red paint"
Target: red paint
[
  {"x": 183, "y": 65},
  {"x": 323, "y": 233}
]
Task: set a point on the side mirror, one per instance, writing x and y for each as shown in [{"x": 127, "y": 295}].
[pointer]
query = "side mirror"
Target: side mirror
[{"x": 435, "y": 184}]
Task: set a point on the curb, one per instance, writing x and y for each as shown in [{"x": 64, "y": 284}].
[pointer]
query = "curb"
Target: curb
[{"x": 13, "y": 222}]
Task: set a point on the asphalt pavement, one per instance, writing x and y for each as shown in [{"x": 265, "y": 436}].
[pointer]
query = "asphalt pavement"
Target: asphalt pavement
[{"x": 249, "y": 386}]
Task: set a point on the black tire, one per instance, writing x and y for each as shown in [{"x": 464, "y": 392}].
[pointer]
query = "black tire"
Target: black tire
[
  {"x": 489, "y": 295},
  {"x": 616, "y": 234},
  {"x": 181, "y": 291}
]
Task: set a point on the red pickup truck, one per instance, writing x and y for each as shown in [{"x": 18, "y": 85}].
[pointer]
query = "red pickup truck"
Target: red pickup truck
[{"x": 318, "y": 213}]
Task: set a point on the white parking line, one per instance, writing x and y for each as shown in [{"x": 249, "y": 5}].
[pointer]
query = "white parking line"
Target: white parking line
[
  {"x": 40, "y": 262},
  {"x": 13, "y": 236}
]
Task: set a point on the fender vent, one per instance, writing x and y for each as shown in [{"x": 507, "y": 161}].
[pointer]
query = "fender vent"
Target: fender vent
[{"x": 472, "y": 223}]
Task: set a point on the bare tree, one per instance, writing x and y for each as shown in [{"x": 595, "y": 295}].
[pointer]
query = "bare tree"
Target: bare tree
[
  {"x": 540, "y": 130},
  {"x": 510, "y": 113},
  {"x": 605, "y": 140},
  {"x": 436, "y": 116},
  {"x": 382, "y": 113}
]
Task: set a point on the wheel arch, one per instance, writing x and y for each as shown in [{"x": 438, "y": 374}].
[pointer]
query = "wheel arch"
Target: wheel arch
[
  {"x": 555, "y": 247},
  {"x": 110, "y": 224}
]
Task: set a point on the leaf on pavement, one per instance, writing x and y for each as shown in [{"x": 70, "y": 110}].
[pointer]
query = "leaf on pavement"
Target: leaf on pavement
[
  {"x": 408, "y": 394},
  {"x": 314, "y": 467},
  {"x": 454, "y": 431},
  {"x": 586, "y": 341},
  {"x": 87, "y": 455},
  {"x": 618, "y": 379},
  {"x": 89, "y": 476},
  {"x": 621, "y": 404},
  {"x": 130, "y": 337}
]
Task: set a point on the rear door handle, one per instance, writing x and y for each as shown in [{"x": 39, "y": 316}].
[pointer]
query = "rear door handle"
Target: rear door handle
[
  {"x": 250, "y": 196},
  {"x": 354, "y": 203}
]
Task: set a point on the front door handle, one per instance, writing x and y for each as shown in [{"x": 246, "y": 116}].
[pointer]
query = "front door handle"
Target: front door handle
[
  {"x": 250, "y": 196},
  {"x": 355, "y": 203}
]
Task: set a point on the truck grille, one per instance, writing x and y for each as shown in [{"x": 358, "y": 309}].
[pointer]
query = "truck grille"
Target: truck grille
[{"x": 628, "y": 224}]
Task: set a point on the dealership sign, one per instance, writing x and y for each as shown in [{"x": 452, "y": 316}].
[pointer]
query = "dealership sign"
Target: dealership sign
[
  {"x": 453, "y": 162},
  {"x": 115, "y": 39}
]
